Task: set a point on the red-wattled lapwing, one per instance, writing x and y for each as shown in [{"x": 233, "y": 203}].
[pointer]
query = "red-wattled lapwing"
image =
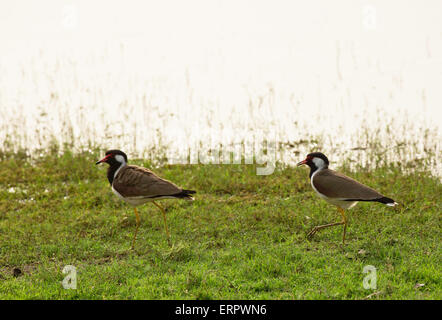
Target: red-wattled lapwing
[
  {"x": 137, "y": 185},
  {"x": 338, "y": 189}
]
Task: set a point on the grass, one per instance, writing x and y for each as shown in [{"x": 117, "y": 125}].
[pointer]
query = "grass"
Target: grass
[{"x": 244, "y": 237}]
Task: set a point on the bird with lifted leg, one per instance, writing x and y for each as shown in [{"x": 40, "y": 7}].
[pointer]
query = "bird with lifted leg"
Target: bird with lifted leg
[{"x": 338, "y": 189}]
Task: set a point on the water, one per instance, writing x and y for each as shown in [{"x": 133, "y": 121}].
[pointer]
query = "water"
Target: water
[{"x": 364, "y": 83}]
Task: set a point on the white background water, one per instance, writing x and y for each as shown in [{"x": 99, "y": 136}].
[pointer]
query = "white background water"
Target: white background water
[{"x": 138, "y": 75}]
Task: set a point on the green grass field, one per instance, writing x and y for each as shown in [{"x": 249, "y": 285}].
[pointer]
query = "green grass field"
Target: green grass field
[{"x": 244, "y": 237}]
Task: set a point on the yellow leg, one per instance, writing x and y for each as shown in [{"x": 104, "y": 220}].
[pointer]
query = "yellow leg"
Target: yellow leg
[
  {"x": 136, "y": 230},
  {"x": 165, "y": 221},
  {"x": 344, "y": 222}
]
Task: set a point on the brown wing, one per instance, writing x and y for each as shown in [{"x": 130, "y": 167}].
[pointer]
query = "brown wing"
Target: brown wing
[
  {"x": 135, "y": 181},
  {"x": 336, "y": 185}
]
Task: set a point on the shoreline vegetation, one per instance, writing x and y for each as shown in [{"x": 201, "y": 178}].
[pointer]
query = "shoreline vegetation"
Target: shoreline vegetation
[{"x": 244, "y": 237}]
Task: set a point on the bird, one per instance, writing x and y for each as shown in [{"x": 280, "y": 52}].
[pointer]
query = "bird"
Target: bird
[
  {"x": 137, "y": 185},
  {"x": 338, "y": 189}
]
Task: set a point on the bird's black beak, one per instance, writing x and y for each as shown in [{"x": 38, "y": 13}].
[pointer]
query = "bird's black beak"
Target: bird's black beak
[{"x": 302, "y": 162}]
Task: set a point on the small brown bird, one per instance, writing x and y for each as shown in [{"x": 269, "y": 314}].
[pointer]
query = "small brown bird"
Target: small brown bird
[
  {"x": 338, "y": 189},
  {"x": 137, "y": 185}
]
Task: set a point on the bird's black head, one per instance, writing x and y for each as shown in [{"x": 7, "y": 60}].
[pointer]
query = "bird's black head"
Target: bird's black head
[
  {"x": 315, "y": 160},
  {"x": 114, "y": 157}
]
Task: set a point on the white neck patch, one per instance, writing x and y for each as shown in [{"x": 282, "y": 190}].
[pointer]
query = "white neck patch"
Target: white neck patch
[
  {"x": 319, "y": 163},
  {"x": 121, "y": 160}
]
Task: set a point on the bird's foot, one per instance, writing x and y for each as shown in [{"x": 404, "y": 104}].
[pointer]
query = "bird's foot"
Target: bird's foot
[{"x": 312, "y": 232}]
